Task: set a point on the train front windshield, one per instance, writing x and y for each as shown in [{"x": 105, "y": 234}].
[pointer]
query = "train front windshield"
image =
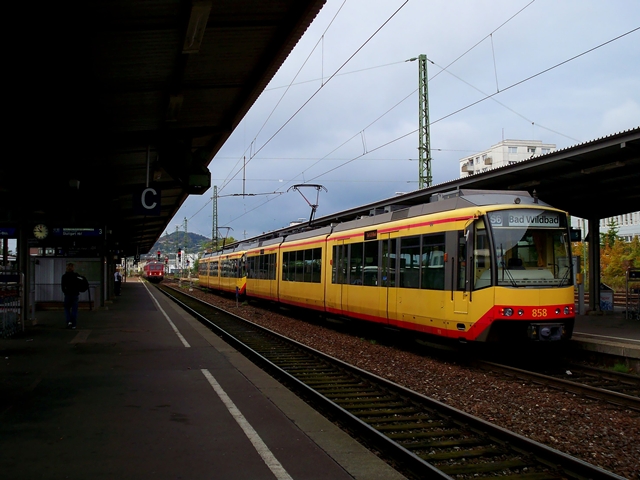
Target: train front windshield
[{"x": 532, "y": 248}]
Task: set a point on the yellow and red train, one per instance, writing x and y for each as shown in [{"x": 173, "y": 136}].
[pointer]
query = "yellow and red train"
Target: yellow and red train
[{"x": 476, "y": 267}]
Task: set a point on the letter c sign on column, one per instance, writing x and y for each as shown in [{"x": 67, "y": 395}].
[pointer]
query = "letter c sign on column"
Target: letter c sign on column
[{"x": 147, "y": 202}]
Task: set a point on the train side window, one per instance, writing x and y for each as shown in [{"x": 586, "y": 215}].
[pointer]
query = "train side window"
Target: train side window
[
  {"x": 271, "y": 266},
  {"x": 316, "y": 273},
  {"x": 410, "y": 262},
  {"x": 432, "y": 262},
  {"x": 260, "y": 266},
  {"x": 285, "y": 266},
  {"x": 307, "y": 264},
  {"x": 250, "y": 265},
  {"x": 299, "y": 265},
  {"x": 339, "y": 263},
  {"x": 355, "y": 263},
  {"x": 389, "y": 262},
  {"x": 370, "y": 270}
]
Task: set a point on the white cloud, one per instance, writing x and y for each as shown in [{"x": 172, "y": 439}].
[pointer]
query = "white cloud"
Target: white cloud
[
  {"x": 622, "y": 117},
  {"x": 364, "y": 107}
]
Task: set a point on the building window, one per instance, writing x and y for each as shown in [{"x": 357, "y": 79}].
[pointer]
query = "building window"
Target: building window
[
  {"x": 531, "y": 149},
  {"x": 513, "y": 149},
  {"x": 545, "y": 150}
]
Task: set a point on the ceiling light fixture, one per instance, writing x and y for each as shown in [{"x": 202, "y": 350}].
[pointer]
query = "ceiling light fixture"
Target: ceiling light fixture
[{"x": 196, "y": 27}]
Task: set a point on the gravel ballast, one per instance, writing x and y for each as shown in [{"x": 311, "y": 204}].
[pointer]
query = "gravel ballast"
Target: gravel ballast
[{"x": 596, "y": 432}]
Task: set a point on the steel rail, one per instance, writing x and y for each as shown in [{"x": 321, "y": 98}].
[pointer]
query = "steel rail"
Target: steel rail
[
  {"x": 393, "y": 419},
  {"x": 580, "y": 388}
]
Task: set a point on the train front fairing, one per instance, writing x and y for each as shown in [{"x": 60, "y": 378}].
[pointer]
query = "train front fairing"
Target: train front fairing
[
  {"x": 154, "y": 272},
  {"x": 523, "y": 255}
]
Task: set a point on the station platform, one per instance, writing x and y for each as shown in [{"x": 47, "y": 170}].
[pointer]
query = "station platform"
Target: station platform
[
  {"x": 609, "y": 333},
  {"x": 142, "y": 390}
]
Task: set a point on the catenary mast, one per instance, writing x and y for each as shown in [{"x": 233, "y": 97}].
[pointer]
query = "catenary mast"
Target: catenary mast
[{"x": 424, "y": 145}]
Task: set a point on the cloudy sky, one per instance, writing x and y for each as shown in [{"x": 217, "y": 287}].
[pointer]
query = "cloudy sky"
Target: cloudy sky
[{"x": 342, "y": 111}]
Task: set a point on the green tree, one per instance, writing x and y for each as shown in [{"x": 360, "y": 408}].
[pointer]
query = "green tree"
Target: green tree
[{"x": 611, "y": 236}]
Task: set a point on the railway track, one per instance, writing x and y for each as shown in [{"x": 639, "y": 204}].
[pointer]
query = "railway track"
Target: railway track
[
  {"x": 421, "y": 437},
  {"x": 613, "y": 387}
]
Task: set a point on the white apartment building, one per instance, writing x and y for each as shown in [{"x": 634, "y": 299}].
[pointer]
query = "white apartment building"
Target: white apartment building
[
  {"x": 628, "y": 225},
  {"x": 512, "y": 151},
  {"x": 504, "y": 153}
]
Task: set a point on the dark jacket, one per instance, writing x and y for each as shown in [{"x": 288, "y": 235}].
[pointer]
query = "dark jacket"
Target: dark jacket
[{"x": 70, "y": 284}]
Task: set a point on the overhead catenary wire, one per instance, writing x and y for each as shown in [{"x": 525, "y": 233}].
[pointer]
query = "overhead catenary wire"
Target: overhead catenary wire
[
  {"x": 520, "y": 82},
  {"x": 329, "y": 79},
  {"x": 251, "y": 154},
  {"x": 361, "y": 133}
]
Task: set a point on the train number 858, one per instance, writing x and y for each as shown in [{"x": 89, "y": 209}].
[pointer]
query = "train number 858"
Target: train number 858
[{"x": 539, "y": 312}]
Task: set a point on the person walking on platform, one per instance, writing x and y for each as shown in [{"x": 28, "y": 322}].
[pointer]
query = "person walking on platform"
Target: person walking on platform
[
  {"x": 117, "y": 279},
  {"x": 70, "y": 287}
]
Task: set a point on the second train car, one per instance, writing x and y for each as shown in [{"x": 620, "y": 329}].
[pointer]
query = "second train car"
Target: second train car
[{"x": 475, "y": 266}]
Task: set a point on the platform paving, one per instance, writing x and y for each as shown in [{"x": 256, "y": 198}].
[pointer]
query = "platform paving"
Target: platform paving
[
  {"x": 610, "y": 333},
  {"x": 141, "y": 390}
]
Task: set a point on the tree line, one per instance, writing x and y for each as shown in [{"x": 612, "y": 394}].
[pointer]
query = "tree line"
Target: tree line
[{"x": 616, "y": 257}]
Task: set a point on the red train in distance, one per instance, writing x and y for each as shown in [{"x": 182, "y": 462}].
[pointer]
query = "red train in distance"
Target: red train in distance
[{"x": 154, "y": 272}]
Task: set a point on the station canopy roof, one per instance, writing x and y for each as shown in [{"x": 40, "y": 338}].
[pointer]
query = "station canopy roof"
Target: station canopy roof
[
  {"x": 592, "y": 180},
  {"x": 114, "y": 96}
]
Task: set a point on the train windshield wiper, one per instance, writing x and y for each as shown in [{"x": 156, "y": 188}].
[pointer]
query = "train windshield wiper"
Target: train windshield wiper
[
  {"x": 513, "y": 281},
  {"x": 564, "y": 278}
]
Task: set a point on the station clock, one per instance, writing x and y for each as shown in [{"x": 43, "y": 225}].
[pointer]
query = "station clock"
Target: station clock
[{"x": 40, "y": 231}]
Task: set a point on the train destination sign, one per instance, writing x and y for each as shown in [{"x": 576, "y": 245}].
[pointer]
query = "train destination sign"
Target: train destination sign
[
  {"x": 77, "y": 232},
  {"x": 371, "y": 234},
  {"x": 525, "y": 218}
]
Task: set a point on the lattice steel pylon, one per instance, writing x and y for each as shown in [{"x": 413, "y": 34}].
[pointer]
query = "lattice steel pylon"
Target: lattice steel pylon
[
  {"x": 214, "y": 227},
  {"x": 424, "y": 144}
]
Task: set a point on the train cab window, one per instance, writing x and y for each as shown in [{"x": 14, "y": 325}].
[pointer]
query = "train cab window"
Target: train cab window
[
  {"x": 410, "y": 262},
  {"x": 532, "y": 248}
]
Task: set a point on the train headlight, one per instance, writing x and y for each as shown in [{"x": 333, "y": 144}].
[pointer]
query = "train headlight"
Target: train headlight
[
  {"x": 520, "y": 312},
  {"x": 557, "y": 311},
  {"x": 507, "y": 312},
  {"x": 568, "y": 310}
]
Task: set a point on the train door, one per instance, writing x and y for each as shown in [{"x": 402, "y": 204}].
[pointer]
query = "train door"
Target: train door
[
  {"x": 457, "y": 280},
  {"x": 337, "y": 277},
  {"x": 388, "y": 276},
  {"x": 273, "y": 273}
]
